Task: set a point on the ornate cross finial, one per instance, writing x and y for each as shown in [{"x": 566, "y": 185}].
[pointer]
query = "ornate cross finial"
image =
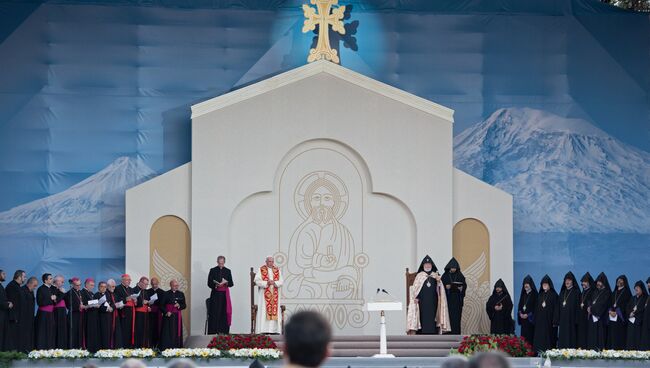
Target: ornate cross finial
[{"x": 324, "y": 15}]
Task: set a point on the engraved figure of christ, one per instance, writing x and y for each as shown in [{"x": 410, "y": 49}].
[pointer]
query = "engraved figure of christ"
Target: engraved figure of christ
[{"x": 321, "y": 253}]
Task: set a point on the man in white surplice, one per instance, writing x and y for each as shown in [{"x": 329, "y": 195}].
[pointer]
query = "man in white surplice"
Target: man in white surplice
[{"x": 268, "y": 281}]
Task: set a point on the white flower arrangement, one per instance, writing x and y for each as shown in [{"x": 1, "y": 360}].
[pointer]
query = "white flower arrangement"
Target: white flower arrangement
[
  {"x": 191, "y": 353},
  {"x": 125, "y": 354},
  {"x": 58, "y": 354},
  {"x": 568, "y": 354},
  {"x": 266, "y": 354}
]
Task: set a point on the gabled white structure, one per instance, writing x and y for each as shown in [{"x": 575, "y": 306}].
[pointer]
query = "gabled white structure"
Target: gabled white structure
[{"x": 344, "y": 179}]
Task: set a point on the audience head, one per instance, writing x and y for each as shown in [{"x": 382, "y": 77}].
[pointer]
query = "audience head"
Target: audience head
[
  {"x": 455, "y": 362},
  {"x": 126, "y": 280},
  {"x": 173, "y": 285},
  {"x": 133, "y": 363},
  {"x": 89, "y": 284},
  {"x": 182, "y": 363},
  {"x": 47, "y": 278},
  {"x": 20, "y": 277},
  {"x": 306, "y": 339},
  {"x": 221, "y": 261},
  {"x": 58, "y": 281},
  {"x": 155, "y": 282},
  {"x": 32, "y": 283},
  {"x": 144, "y": 282},
  {"x": 489, "y": 360}
]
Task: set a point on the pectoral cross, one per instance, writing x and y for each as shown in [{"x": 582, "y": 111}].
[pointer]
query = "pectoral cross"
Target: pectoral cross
[{"x": 324, "y": 15}]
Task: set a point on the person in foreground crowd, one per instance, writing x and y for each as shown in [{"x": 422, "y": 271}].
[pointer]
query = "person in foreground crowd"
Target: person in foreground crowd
[
  {"x": 617, "y": 327},
  {"x": 568, "y": 312},
  {"x": 526, "y": 308},
  {"x": 45, "y": 328},
  {"x": 307, "y": 338},
  {"x": 14, "y": 296},
  {"x": 154, "y": 295},
  {"x": 142, "y": 329},
  {"x": 427, "y": 309},
  {"x": 634, "y": 312},
  {"x": 490, "y": 359},
  {"x": 173, "y": 303},
  {"x": 499, "y": 310},
  {"x": 116, "y": 325},
  {"x": 582, "y": 323},
  {"x": 599, "y": 305},
  {"x": 546, "y": 315},
  {"x": 220, "y": 306},
  {"x": 123, "y": 297},
  {"x": 60, "y": 313},
  {"x": 455, "y": 287},
  {"x": 268, "y": 281}
]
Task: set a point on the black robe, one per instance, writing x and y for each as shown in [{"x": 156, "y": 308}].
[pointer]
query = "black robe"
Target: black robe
[
  {"x": 12, "y": 329},
  {"x": 45, "y": 327},
  {"x": 428, "y": 301},
  {"x": 645, "y": 327},
  {"x": 546, "y": 318},
  {"x": 142, "y": 329},
  {"x": 73, "y": 302},
  {"x": 127, "y": 315},
  {"x": 617, "y": 330},
  {"x": 4, "y": 315},
  {"x": 105, "y": 321},
  {"x": 26, "y": 320},
  {"x": 155, "y": 316},
  {"x": 217, "y": 320},
  {"x": 583, "y": 314},
  {"x": 526, "y": 307},
  {"x": 598, "y": 309},
  {"x": 501, "y": 322},
  {"x": 569, "y": 310},
  {"x": 116, "y": 334},
  {"x": 455, "y": 288},
  {"x": 90, "y": 322},
  {"x": 60, "y": 319},
  {"x": 634, "y": 312},
  {"x": 172, "y": 326}
]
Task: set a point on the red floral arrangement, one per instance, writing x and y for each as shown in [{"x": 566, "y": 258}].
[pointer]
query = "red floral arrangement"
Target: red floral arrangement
[
  {"x": 227, "y": 342},
  {"x": 514, "y": 346}
]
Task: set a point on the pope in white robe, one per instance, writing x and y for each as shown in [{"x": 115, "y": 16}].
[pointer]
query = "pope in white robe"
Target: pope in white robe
[{"x": 268, "y": 281}]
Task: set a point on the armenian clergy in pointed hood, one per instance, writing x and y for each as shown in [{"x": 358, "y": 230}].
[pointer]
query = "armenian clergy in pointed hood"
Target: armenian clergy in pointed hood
[
  {"x": 645, "y": 327},
  {"x": 546, "y": 317},
  {"x": 588, "y": 286},
  {"x": 427, "y": 311},
  {"x": 499, "y": 310},
  {"x": 598, "y": 307},
  {"x": 568, "y": 312},
  {"x": 635, "y": 311},
  {"x": 617, "y": 328},
  {"x": 455, "y": 287},
  {"x": 526, "y": 308}
]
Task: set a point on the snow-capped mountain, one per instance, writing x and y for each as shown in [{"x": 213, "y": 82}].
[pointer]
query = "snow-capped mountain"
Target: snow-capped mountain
[
  {"x": 95, "y": 204},
  {"x": 565, "y": 175}
]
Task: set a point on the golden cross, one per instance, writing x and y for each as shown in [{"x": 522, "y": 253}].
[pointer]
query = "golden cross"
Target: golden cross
[{"x": 324, "y": 15}]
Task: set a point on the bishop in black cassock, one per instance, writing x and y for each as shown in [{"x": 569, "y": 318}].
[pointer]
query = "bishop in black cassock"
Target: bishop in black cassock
[
  {"x": 5, "y": 307},
  {"x": 635, "y": 310},
  {"x": 60, "y": 314},
  {"x": 455, "y": 287},
  {"x": 546, "y": 317},
  {"x": 526, "y": 309},
  {"x": 26, "y": 321},
  {"x": 645, "y": 327},
  {"x": 45, "y": 327},
  {"x": 73, "y": 302},
  {"x": 122, "y": 295},
  {"x": 142, "y": 330},
  {"x": 155, "y": 313},
  {"x": 499, "y": 310},
  {"x": 569, "y": 303},
  {"x": 219, "y": 306},
  {"x": 90, "y": 316},
  {"x": 172, "y": 323},
  {"x": 583, "y": 317},
  {"x": 598, "y": 308},
  {"x": 14, "y": 295},
  {"x": 617, "y": 328}
]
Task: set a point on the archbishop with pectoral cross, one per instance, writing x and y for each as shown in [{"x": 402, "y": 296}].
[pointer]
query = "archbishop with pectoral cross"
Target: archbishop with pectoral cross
[{"x": 427, "y": 311}]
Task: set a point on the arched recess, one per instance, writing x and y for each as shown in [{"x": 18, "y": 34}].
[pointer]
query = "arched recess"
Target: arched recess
[
  {"x": 471, "y": 247},
  {"x": 169, "y": 257}
]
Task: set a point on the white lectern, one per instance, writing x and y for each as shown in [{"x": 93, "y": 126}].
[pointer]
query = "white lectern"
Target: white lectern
[{"x": 383, "y": 306}]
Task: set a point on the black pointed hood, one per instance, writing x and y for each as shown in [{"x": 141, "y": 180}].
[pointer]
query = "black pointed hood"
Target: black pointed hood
[
  {"x": 588, "y": 279},
  {"x": 641, "y": 285},
  {"x": 603, "y": 279},
  {"x": 427, "y": 259},
  {"x": 546, "y": 280},
  {"x": 502, "y": 285},
  {"x": 453, "y": 263},
  {"x": 528, "y": 280},
  {"x": 570, "y": 276},
  {"x": 624, "y": 278}
]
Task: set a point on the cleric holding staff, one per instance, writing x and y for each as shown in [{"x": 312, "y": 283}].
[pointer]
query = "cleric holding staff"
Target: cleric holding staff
[{"x": 220, "y": 306}]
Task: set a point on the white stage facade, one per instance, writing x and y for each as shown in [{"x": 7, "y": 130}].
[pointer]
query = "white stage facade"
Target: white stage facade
[{"x": 320, "y": 141}]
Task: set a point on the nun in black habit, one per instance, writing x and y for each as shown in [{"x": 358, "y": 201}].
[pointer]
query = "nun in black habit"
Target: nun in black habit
[
  {"x": 645, "y": 327},
  {"x": 617, "y": 331},
  {"x": 634, "y": 311},
  {"x": 598, "y": 307},
  {"x": 455, "y": 288},
  {"x": 526, "y": 309},
  {"x": 546, "y": 317},
  {"x": 569, "y": 304},
  {"x": 499, "y": 310},
  {"x": 583, "y": 317}
]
